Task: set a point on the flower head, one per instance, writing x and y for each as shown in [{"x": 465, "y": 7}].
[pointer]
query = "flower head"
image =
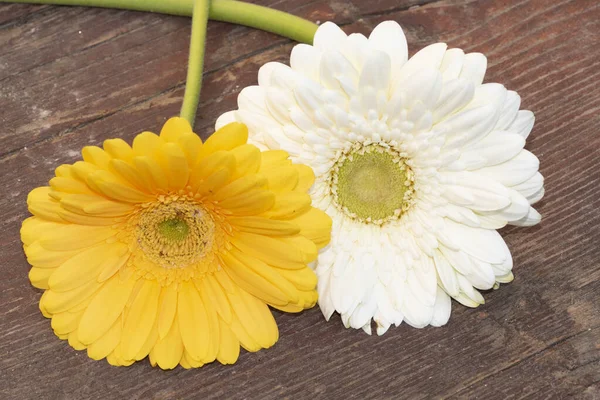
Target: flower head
[
  {"x": 174, "y": 248},
  {"x": 417, "y": 162}
]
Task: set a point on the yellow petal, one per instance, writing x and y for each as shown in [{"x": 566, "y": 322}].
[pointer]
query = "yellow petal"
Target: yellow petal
[
  {"x": 244, "y": 338},
  {"x": 69, "y": 185},
  {"x": 269, "y": 250},
  {"x": 33, "y": 227},
  {"x": 282, "y": 179},
  {"x": 168, "y": 351},
  {"x": 240, "y": 187},
  {"x": 140, "y": 319},
  {"x": 73, "y": 237},
  {"x": 167, "y": 310},
  {"x": 268, "y": 273},
  {"x": 255, "y": 284},
  {"x": 211, "y": 286},
  {"x": 151, "y": 341},
  {"x": 95, "y": 205},
  {"x": 193, "y": 321},
  {"x": 289, "y": 205},
  {"x": 107, "y": 184},
  {"x": 41, "y": 205},
  {"x": 247, "y": 160},
  {"x": 306, "y": 246},
  {"x": 106, "y": 343},
  {"x": 74, "y": 341},
  {"x": 290, "y": 308},
  {"x": 79, "y": 219},
  {"x": 212, "y": 183},
  {"x": 213, "y": 327},
  {"x": 129, "y": 173},
  {"x": 191, "y": 144},
  {"x": 56, "y": 302},
  {"x": 272, "y": 159},
  {"x": 84, "y": 266},
  {"x": 264, "y": 226},
  {"x": 119, "y": 149},
  {"x": 146, "y": 143},
  {"x": 174, "y": 128},
  {"x": 228, "y": 137},
  {"x": 151, "y": 173},
  {"x": 224, "y": 281},
  {"x": 95, "y": 155},
  {"x": 39, "y": 277},
  {"x": 315, "y": 225},
  {"x": 306, "y": 177},
  {"x": 211, "y": 164},
  {"x": 304, "y": 279},
  {"x": 255, "y": 317},
  {"x": 104, "y": 309},
  {"x": 112, "y": 263},
  {"x": 229, "y": 346},
  {"x": 65, "y": 322},
  {"x": 43, "y": 258},
  {"x": 252, "y": 202},
  {"x": 174, "y": 164},
  {"x": 81, "y": 170}
]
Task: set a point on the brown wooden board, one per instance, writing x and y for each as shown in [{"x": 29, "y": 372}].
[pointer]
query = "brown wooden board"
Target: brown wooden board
[{"x": 70, "y": 77}]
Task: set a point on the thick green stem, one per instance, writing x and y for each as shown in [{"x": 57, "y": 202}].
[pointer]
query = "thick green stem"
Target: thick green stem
[
  {"x": 196, "y": 60},
  {"x": 233, "y": 11}
]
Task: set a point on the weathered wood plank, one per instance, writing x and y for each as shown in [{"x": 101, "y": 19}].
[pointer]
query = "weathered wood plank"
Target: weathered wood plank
[{"x": 536, "y": 337}]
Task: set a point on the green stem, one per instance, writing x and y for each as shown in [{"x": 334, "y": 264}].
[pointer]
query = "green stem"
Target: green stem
[
  {"x": 196, "y": 60},
  {"x": 233, "y": 11}
]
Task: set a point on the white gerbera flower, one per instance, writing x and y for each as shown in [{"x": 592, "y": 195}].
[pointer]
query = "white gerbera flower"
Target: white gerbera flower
[{"x": 417, "y": 162}]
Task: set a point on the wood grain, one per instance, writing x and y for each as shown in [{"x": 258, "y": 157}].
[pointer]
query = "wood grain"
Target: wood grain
[{"x": 75, "y": 76}]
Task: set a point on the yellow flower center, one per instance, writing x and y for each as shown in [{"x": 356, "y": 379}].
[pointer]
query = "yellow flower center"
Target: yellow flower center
[
  {"x": 175, "y": 234},
  {"x": 372, "y": 183}
]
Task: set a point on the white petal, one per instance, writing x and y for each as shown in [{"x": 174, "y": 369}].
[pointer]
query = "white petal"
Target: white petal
[
  {"x": 424, "y": 86},
  {"x": 337, "y": 72},
  {"x": 252, "y": 99},
  {"x": 474, "y": 67},
  {"x": 514, "y": 171},
  {"x": 455, "y": 95},
  {"x": 523, "y": 123},
  {"x": 509, "y": 111},
  {"x": 474, "y": 191},
  {"x": 225, "y": 119},
  {"x": 532, "y": 218},
  {"x": 328, "y": 37},
  {"x": 376, "y": 71},
  {"x": 441, "y": 309},
  {"x": 306, "y": 59},
  {"x": 446, "y": 274},
  {"x": 389, "y": 37},
  {"x": 429, "y": 57},
  {"x": 486, "y": 245},
  {"x": 497, "y": 147},
  {"x": 518, "y": 208},
  {"x": 452, "y": 64},
  {"x": 531, "y": 186}
]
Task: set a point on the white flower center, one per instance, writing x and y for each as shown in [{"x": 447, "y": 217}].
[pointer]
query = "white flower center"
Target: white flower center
[{"x": 372, "y": 183}]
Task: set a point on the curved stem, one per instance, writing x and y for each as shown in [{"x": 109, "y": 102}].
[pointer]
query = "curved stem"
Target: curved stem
[
  {"x": 233, "y": 11},
  {"x": 196, "y": 60}
]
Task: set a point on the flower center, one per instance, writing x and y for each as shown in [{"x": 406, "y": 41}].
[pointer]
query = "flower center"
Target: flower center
[
  {"x": 372, "y": 183},
  {"x": 175, "y": 234},
  {"x": 173, "y": 229}
]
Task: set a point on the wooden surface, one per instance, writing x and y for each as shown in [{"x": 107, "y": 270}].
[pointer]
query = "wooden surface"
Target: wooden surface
[{"x": 75, "y": 76}]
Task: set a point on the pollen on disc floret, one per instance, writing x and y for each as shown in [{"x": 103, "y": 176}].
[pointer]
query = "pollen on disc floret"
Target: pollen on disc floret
[{"x": 372, "y": 183}]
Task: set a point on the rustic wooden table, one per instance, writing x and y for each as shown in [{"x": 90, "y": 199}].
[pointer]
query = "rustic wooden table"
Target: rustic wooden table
[{"x": 76, "y": 76}]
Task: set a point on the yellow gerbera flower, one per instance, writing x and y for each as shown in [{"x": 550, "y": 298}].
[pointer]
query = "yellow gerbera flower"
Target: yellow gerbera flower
[{"x": 173, "y": 248}]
